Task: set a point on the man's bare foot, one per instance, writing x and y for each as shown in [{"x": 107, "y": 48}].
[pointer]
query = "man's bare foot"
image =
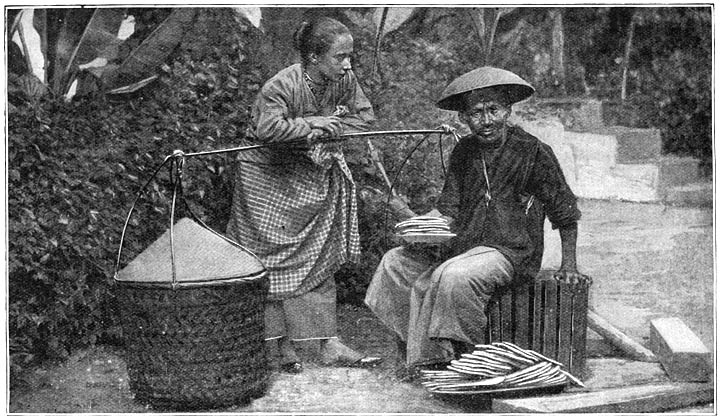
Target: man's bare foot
[{"x": 334, "y": 352}]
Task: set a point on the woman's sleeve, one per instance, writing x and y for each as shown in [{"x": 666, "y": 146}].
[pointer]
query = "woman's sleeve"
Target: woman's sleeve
[
  {"x": 272, "y": 115},
  {"x": 361, "y": 115},
  {"x": 548, "y": 184}
]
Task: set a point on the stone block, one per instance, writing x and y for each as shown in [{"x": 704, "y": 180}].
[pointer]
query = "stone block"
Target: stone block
[
  {"x": 592, "y": 182},
  {"x": 591, "y": 149},
  {"x": 681, "y": 353},
  {"x": 636, "y": 183},
  {"x": 696, "y": 194},
  {"x": 676, "y": 170},
  {"x": 549, "y": 131},
  {"x": 635, "y": 144}
]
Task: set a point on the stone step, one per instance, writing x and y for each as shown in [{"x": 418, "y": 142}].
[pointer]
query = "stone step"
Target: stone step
[
  {"x": 678, "y": 170},
  {"x": 635, "y": 145},
  {"x": 617, "y": 163},
  {"x": 627, "y": 182},
  {"x": 613, "y": 145},
  {"x": 591, "y": 149},
  {"x": 646, "y": 398},
  {"x": 642, "y": 182},
  {"x": 577, "y": 114},
  {"x": 699, "y": 194}
]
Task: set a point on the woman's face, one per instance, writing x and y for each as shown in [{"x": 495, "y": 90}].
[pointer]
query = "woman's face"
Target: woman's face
[{"x": 336, "y": 61}]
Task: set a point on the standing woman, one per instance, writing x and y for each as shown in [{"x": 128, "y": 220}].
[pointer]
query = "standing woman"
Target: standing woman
[{"x": 294, "y": 205}]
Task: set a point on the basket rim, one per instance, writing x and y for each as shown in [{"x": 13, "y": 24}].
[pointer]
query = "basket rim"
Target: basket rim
[{"x": 192, "y": 283}]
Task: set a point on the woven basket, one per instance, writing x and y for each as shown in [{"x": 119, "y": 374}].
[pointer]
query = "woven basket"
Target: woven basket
[{"x": 194, "y": 334}]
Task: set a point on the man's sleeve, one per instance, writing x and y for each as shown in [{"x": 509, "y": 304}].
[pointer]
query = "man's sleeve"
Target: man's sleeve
[
  {"x": 449, "y": 201},
  {"x": 548, "y": 184}
]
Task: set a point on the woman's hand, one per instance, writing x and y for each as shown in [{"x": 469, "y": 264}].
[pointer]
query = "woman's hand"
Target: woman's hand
[
  {"x": 315, "y": 134},
  {"x": 332, "y": 126}
]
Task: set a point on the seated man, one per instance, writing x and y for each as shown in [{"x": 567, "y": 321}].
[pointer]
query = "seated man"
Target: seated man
[{"x": 436, "y": 302}]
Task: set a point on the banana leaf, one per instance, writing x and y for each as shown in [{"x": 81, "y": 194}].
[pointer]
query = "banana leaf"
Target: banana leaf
[
  {"x": 74, "y": 22},
  {"x": 387, "y": 19},
  {"x": 133, "y": 87},
  {"x": 17, "y": 27},
  {"x": 40, "y": 23},
  {"x": 99, "y": 33},
  {"x": 251, "y": 14},
  {"x": 485, "y": 20},
  {"x": 16, "y": 62},
  {"x": 14, "y": 16},
  {"x": 143, "y": 61}
]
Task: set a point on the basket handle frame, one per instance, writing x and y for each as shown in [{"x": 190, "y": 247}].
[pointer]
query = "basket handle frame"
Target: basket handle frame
[{"x": 177, "y": 163}]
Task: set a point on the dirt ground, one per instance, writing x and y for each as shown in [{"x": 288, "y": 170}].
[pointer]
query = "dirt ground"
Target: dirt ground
[{"x": 647, "y": 261}]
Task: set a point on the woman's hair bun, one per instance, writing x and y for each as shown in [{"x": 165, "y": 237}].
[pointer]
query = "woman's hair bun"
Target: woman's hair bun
[
  {"x": 317, "y": 35},
  {"x": 301, "y": 35}
]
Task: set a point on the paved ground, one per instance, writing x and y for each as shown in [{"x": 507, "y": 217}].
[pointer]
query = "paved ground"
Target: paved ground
[{"x": 647, "y": 261}]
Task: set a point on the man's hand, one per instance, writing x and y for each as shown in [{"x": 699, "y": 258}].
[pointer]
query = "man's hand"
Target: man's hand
[
  {"x": 571, "y": 276},
  {"x": 436, "y": 213},
  {"x": 447, "y": 129},
  {"x": 429, "y": 252}
]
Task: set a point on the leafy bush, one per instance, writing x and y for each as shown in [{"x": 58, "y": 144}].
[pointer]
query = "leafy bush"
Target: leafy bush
[
  {"x": 74, "y": 170},
  {"x": 69, "y": 180}
]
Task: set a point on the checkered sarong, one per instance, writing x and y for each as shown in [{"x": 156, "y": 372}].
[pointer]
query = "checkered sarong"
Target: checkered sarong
[{"x": 298, "y": 214}]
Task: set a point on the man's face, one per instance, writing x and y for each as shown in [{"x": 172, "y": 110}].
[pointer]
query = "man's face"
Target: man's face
[{"x": 486, "y": 119}]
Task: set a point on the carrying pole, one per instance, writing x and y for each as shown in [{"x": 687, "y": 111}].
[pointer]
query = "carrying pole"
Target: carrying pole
[{"x": 340, "y": 138}]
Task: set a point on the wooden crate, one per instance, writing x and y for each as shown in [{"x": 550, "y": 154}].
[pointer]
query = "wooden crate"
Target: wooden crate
[{"x": 548, "y": 316}]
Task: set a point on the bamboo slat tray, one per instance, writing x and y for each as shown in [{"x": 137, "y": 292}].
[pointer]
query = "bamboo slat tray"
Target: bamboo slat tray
[{"x": 507, "y": 392}]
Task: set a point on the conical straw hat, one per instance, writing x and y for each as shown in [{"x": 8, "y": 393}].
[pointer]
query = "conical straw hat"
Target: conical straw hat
[
  {"x": 201, "y": 257},
  {"x": 517, "y": 89}
]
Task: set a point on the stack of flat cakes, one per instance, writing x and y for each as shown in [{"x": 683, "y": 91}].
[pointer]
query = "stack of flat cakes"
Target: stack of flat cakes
[
  {"x": 426, "y": 229},
  {"x": 501, "y": 365}
]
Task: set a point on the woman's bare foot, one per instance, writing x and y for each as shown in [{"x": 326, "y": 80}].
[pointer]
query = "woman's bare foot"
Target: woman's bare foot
[{"x": 289, "y": 360}]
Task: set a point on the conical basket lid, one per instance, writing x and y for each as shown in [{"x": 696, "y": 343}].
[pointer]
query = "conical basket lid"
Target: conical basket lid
[
  {"x": 516, "y": 88},
  {"x": 201, "y": 257}
]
